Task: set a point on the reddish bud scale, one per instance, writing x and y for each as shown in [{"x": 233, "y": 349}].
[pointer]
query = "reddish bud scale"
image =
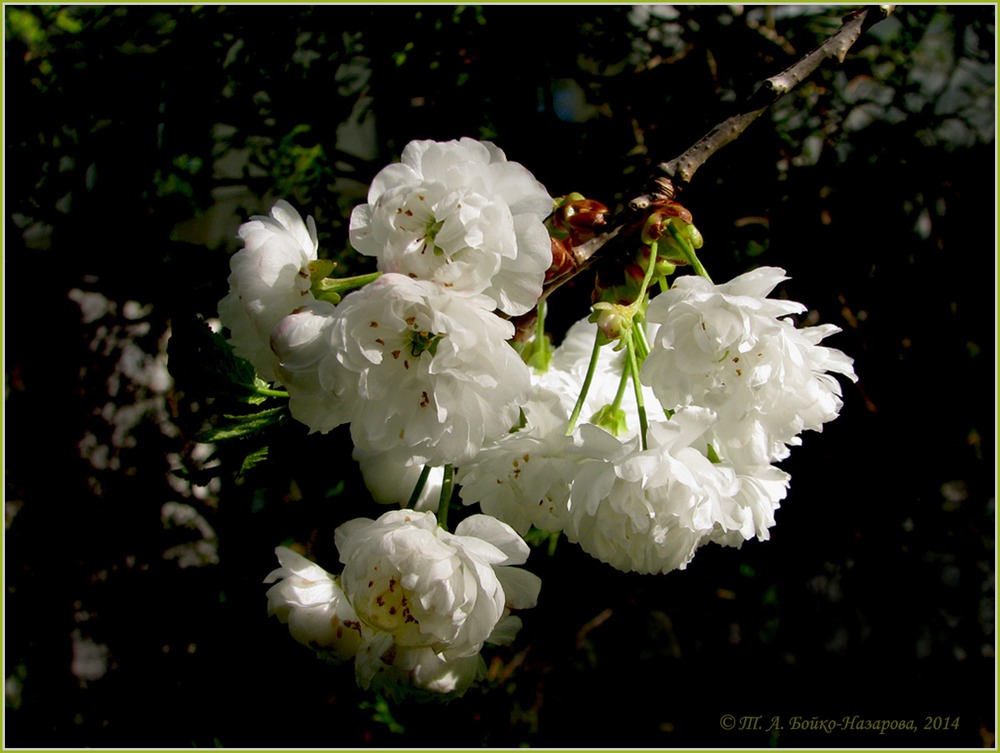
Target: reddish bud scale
[
  {"x": 672, "y": 209},
  {"x": 562, "y": 259},
  {"x": 653, "y": 224},
  {"x": 580, "y": 218},
  {"x": 635, "y": 271}
]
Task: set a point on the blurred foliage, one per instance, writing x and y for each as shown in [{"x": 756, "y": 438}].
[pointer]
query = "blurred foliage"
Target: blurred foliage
[{"x": 139, "y": 137}]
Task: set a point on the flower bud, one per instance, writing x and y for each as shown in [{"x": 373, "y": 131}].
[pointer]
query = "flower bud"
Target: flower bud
[
  {"x": 694, "y": 236},
  {"x": 577, "y": 218},
  {"x": 669, "y": 225},
  {"x": 562, "y": 260},
  {"x": 612, "y": 319}
]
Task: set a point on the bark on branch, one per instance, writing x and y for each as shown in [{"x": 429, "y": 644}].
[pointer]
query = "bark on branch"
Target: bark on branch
[{"x": 670, "y": 178}]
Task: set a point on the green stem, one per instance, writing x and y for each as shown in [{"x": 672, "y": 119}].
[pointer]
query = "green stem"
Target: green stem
[
  {"x": 641, "y": 344},
  {"x": 343, "y": 284},
  {"x": 332, "y": 288},
  {"x": 539, "y": 349},
  {"x": 447, "y": 486},
  {"x": 591, "y": 368},
  {"x": 622, "y": 383},
  {"x": 689, "y": 253},
  {"x": 419, "y": 488},
  {"x": 636, "y": 329},
  {"x": 650, "y": 269},
  {"x": 266, "y": 392},
  {"x": 540, "y": 322},
  {"x": 633, "y": 368}
]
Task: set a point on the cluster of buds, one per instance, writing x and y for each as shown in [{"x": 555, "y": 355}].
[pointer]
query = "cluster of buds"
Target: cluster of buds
[
  {"x": 574, "y": 221},
  {"x": 668, "y": 239}
]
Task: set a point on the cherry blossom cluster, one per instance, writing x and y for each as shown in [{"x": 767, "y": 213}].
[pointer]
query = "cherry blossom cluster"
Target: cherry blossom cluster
[
  {"x": 419, "y": 359},
  {"x": 729, "y": 383},
  {"x": 414, "y": 603},
  {"x": 641, "y": 438}
]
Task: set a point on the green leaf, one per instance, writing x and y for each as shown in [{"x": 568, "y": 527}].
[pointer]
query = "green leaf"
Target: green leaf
[
  {"x": 203, "y": 360},
  {"x": 253, "y": 459},
  {"x": 241, "y": 427}
]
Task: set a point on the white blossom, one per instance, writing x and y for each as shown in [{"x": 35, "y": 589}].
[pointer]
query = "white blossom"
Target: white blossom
[
  {"x": 431, "y": 372},
  {"x": 301, "y": 342},
  {"x": 649, "y": 510},
  {"x": 414, "y": 604},
  {"x": 430, "y": 588},
  {"x": 310, "y": 601},
  {"x": 729, "y": 348},
  {"x": 402, "y": 672},
  {"x": 523, "y": 478},
  {"x": 460, "y": 214},
  {"x": 750, "y": 512},
  {"x": 269, "y": 279}
]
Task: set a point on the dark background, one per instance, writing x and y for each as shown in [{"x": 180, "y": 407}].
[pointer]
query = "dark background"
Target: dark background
[{"x": 138, "y": 138}]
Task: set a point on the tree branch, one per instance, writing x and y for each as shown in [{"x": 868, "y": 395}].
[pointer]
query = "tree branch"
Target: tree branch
[{"x": 671, "y": 177}]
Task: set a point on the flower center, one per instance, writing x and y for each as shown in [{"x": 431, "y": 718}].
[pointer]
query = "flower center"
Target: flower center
[
  {"x": 386, "y": 606},
  {"x": 421, "y": 340},
  {"x": 389, "y": 609},
  {"x": 433, "y": 228},
  {"x": 424, "y": 341}
]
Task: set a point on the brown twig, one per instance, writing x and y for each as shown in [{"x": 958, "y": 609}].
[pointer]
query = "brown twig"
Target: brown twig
[{"x": 671, "y": 177}]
